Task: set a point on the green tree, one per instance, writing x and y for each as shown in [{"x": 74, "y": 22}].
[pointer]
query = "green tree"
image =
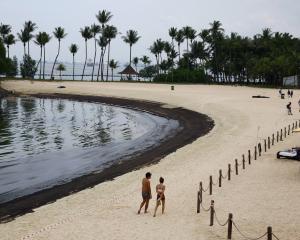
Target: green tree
[
  {"x": 135, "y": 63},
  {"x": 179, "y": 38},
  {"x": 131, "y": 38},
  {"x": 24, "y": 38},
  {"x": 95, "y": 29},
  {"x": 104, "y": 17},
  {"x": 45, "y": 39},
  {"x": 59, "y": 34},
  {"x": 113, "y": 65},
  {"x": 102, "y": 42},
  {"x": 73, "y": 49},
  {"x": 145, "y": 60},
  {"x": 172, "y": 34},
  {"x": 8, "y": 41},
  {"x": 29, "y": 28},
  {"x": 39, "y": 41},
  {"x": 28, "y": 67},
  {"x": 86, "y": 34},
  {"x": 4, "y": 30},
  {"x": 61, "y": 68},
  {"x": 110, "y": 32}
]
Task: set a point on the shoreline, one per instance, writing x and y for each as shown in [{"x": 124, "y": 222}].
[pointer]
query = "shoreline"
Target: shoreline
[{"x": 193, "y": 125}]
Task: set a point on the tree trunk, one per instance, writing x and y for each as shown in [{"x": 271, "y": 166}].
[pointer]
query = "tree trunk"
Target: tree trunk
[
  {"x": 7, "y": 51},
  {"x": 28, "y": 48},
  {"x": 94, "y": 58},
  {"x": 112, "y": 74},
  {"x": 55, "y": 58},
  {"x": 84, "y": 60},
  {"x": 44, "y": 62},
  {"x": 99, "y": 65},
  {"x": 41, "y": 61},
  {"x": 102, "y": 65},
  {"x": 130, "y": 54},
  {"x": 178, "y": 52},
  {"x": 107, "y": 66},
  {"x": 24, "y": 49},
  {"x": 73, "y": 66}
]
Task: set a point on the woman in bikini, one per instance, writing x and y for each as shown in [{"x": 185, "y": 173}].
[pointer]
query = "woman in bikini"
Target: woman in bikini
[{"x": 160, "y": 190}]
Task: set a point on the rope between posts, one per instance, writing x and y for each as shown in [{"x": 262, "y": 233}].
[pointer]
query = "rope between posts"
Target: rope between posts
[
  {"x": 205, "y": 209},
  {"x": 224, "y": 177},
  {"x": 275, "y": 236},
  {"x": 247, "y": 236},
  {"x": 222, "y": 225},
  {"x": 205, "y": 190}
]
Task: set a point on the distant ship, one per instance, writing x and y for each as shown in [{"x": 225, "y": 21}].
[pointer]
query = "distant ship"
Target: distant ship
[{"x": 90, "y": 63}]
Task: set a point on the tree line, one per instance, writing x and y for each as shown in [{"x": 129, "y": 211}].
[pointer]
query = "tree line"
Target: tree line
[{"x": 208, "y": 55}]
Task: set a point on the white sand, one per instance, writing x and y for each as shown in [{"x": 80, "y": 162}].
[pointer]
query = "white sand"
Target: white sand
[{"x": 266, "y": 193}]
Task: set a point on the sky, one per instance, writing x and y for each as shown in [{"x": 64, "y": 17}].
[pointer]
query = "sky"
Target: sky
[{"x": 151, "y": 18}]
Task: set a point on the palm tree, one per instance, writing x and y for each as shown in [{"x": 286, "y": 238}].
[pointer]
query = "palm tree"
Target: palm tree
[
  {"x": 4, "y": 30},
  {"x": 135, "y": 63},
  {"x": 186, "y": 33},
  {"x": 104, "y": 17},
  {"x": 9, "y": 40},
  {"x": 95, "y": 29},
  {"x": 39, "y": 41},
  {"x": 45, "y": 39},
  {"x": 102, "y": 42},
  {"x": 179, "y": 39},
  {"x": 145, "y": 60},
  {"x": 131, "y": 38},
  {"x": 23, "y": 37},
  {"x": 59, "y": 33},
  {"x": 73, "y": 49},
  {"x": 29, "y": 28},
  {"x": 86, "y": 34},
  {"x": 172, "y": 34},
  {"x": 113, "y": 65},
  {"x": 61, "y": 67},
  {"x": 110, "y": 32}
]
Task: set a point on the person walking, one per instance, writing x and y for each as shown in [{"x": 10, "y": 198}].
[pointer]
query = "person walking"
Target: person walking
[
  {"x": 289, "y": 108},
  {"x": 160, "y": 199},
  {"x": 291, "y": 93},
  {"x": 146, "y": 192}
]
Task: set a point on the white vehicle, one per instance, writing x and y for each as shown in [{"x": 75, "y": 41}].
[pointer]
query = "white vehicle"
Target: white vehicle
[{"x": 293, "y": 153}]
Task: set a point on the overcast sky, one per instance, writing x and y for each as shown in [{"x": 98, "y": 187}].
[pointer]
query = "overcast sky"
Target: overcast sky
[{"x": 151, "y": 19}]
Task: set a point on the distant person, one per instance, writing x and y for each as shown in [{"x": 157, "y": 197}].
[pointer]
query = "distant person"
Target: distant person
[
  {"x": 146, "y": 192},
  {"x": 292, "y": 93},
  {"x": 289, "y": 93},
  {"x": 280, "y": 92},
  {"x": 160, "y": 199},
  {"x": 289, "y": 108}
]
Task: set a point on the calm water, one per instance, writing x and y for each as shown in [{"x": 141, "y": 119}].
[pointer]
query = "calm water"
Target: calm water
[{"x": 47, "y": 142}]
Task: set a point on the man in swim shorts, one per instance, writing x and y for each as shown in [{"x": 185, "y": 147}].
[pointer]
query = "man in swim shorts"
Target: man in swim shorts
[{"x": 146, "y": 192}]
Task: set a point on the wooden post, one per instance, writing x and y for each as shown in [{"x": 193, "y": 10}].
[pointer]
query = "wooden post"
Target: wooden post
[
  {"x": 229, "y": 172},
  {"x": 265, "y": 141},
  {"x": 259, "y": 149},
  {"x": 198, "y": 202},
  {"x": 269, "y": 143},
  {"x": 255, "y": 153},
  {"x": 236, "y": 167},
  {"x": 289, "y": 129},
  {"x": 244, "y": 162},
  {"x": 273, "y": 139},
  {"x": 210, "y": 185},
  {"x": 201, "y": 191},
  {"x": 220, "y": 178},
  {"x": 293, "y": 127},
  {"x": 229, "y": 230},
  {"x": 296, "y": 124},
  {"x": 249, "y": 157},
  {"x": 269, "y": 233},
  {"x": 284, "y": 132},
  {"x": 281, "y": 134},
  {"x": 212, "y": 213},
  {"x": 277, "y": 137}
]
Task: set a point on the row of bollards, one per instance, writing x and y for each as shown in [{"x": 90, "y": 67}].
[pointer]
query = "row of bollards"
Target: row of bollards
[{"x": 257, "y": 153}]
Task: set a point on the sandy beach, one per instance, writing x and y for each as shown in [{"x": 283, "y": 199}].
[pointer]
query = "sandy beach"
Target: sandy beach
[{"x": 265, "y": 194}]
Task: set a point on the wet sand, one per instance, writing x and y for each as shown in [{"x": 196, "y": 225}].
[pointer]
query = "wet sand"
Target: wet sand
[{"x": 265, "y": 194}]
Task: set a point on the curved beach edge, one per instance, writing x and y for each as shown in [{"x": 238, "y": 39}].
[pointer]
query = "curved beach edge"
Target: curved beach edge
[{"x": 192, "y": 126}]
